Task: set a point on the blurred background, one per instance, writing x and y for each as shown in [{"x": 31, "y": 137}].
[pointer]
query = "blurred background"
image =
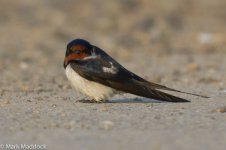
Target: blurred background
[
  {"x": 178, "y": 43},
  {"x": 34, "y": 35}
]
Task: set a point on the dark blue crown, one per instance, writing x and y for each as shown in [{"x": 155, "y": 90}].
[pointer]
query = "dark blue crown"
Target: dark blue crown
[{"x": 78, "y": 42}]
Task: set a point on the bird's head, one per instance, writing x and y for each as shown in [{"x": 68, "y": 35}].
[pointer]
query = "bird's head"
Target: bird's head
[{"x": 77, "y": 49}]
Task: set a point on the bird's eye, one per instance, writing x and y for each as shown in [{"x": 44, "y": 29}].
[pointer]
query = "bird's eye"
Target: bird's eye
[{"x": 78, "y": 52}]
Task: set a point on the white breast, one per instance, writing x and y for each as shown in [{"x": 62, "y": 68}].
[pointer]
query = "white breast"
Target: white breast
[{"x": 92, "y": 89}]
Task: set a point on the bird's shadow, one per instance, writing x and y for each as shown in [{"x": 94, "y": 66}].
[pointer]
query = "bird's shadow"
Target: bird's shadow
[
  {"x": 125, "y": 100},
  {"x": 133, "y": 100}
]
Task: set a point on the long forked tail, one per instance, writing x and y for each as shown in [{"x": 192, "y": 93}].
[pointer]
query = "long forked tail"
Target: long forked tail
[
  {"x": 162, "y": 87},
  {"x": 145, "y": 90},
  {"x": 153, "y": 90},
  {"x": 158, "y": 95},
  {"x": 169, "y": 89}
]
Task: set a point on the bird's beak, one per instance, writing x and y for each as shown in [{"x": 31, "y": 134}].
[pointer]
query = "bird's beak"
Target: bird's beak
[
  {"x": 65, "y": 63},
  {"x": 69, "y": 58}
]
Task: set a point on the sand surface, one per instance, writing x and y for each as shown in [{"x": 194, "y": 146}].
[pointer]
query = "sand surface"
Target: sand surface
[{"x": 181, "y": 44}]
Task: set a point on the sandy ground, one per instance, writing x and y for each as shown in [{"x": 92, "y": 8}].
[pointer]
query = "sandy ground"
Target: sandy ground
[{"x": 181, "y": 44}]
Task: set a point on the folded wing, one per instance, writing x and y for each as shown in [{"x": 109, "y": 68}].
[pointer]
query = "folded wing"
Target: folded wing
[{"x": 122, "y": 79}]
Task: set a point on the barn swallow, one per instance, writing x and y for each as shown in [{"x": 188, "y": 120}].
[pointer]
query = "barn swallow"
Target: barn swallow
[{"x": 97, "y": 75}]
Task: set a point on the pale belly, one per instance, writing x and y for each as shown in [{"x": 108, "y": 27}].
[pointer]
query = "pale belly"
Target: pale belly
[{"x": 91, "y": 89}]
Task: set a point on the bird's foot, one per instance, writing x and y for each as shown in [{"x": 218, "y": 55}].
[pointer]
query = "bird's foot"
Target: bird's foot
[{"x": 91, "y": 101}]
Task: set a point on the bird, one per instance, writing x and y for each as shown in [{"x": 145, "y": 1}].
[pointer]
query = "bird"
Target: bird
[{"x": 98, "y": 76}]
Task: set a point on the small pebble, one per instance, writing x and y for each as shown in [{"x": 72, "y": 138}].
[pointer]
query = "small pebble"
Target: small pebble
[
  {"x": 70, "y": 125},
  {"x": 24, "y": 66},
  {"x": 104, "y": 108},
  {"x": 223, "y": 91},
  {"x": 4, "y": 103},
  {"x": 54, "y": 105},
  {"x": 107, "y": 124},
  {"x": 205, "y": 38},
  {"x": 192, "y": 67},
  {"x": 25, "y": 88},
  {"x": 221, "y": 109}
]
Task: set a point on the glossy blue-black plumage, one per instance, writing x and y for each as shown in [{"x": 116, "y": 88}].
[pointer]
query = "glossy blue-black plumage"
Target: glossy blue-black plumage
[
  {"x": 121, "y": 79},
  {"x": 79, "y": 42}
]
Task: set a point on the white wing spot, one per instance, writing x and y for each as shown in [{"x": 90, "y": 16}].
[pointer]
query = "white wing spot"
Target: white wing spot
[
  {"x": 92, "y": 56},
  {"x": 112, "y": 69}
]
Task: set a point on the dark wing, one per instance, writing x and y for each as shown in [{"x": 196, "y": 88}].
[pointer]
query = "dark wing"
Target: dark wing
[{"x": 120, "y": 78}]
